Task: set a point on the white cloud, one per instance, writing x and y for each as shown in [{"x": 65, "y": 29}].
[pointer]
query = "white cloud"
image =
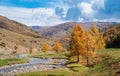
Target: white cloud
[
  {"x": 86, "y": 9},
  {"x": 90, "y": 8},
  {"x": 110, "y": 20},
  {"x": 62, "y": 4},
  {"x": 30, "y": 16},
  {"x": 97, "y": 3},
  {"x": 46, "y": 16},
  {"x": 80, "y": 19}
]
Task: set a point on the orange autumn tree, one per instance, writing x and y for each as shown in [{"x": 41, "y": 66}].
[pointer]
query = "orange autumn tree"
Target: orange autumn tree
[
  {"x": 77, "y": 46},
  {"x": 100, "y": 44},
  {"x": 57, "y": 47},
  {"x": 90, "y": 48},
  {"x": 45, "y": 47}
]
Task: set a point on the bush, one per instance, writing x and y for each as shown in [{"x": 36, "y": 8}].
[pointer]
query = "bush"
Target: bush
[
  {"x": 24, "y": 40},
  {"x": 15, "y": 47},
  {"x": 2, "y": 44},
  {"x": 14, "y": 52}
]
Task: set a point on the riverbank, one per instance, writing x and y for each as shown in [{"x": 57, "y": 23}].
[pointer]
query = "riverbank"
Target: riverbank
[
  {"x": 34, "y": 64},
  {"x": 10, "y": 61},
  {"x": 50, "y": 54}
]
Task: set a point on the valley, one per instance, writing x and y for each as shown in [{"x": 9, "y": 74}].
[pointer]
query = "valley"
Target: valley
[
  {"x": 45, "y": 51},
  {"x": 59, "y": 37}
]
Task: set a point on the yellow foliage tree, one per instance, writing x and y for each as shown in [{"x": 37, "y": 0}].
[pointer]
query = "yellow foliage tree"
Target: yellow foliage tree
[
  {"x": 45, "y": 47},
  {"x": 100, "y": 44},
  {"x": 90, "y": 47},
  {"x": 57, "y": 47},
  {"x": 94, "y": 31},
  {"x": 77, "y": 47}
]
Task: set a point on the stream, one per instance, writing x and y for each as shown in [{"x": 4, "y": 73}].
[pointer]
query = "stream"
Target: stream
[{"x": 34, "y": 64}]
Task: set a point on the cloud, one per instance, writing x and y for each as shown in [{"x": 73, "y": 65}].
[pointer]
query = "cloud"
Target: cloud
[
  {"x": 86, "y": 7},
  {"x": 90, "y": 10},
  {"x": 59, "y": 11},
  {"x": 111, "y": 10},
  {"x": 86, "y": 10},
  {"x": 52, "y": 12},
  {"x": 32, "y": 16},
  {"x": 96, "y": 4},
  {"x": 111, "y": 20}
]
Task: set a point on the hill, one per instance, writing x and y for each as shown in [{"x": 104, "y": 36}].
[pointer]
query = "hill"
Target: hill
[
  {"x": 63, "y": 31},
  {"x": 112, "y": 36},
  {"x": 17, "y": 27},
  {"x": 15, "y": 36},
  {"x": 36, "y": 28},
  {"x": 66, "y": 28}
]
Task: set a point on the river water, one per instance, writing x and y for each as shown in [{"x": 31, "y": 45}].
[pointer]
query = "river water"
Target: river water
[{"x": 34, "y": 64}]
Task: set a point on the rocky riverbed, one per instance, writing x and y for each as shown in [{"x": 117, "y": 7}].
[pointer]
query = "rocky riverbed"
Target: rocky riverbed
[{"x": 35, "y": 64}]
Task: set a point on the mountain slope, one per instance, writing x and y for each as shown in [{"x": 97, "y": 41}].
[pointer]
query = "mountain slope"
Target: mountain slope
[
  {"x": 16, "y": 27},
  {"x": 112, "y": 36},
  {"x": 66, "y": 28},
  {"x": 15, "y": 35},
  {"x": 63, "y": 31}
]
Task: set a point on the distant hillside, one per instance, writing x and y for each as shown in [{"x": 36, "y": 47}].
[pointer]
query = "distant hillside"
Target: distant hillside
[
  {"x": 14, "y": 34},
  {"x": 9, "y": 40},
  {"x": 16, "y": 27},
  {"x": 112, "y": 36},
  {"x": 63, "y": 31},
  {"x": 66, "y": 28},
  {"x": 36, "y": 28}
]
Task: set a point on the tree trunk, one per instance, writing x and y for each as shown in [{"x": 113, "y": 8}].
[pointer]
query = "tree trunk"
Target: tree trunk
[
  {"x": 57, "y": 51},
  {"x": 78, "y": 58},
  {"x": 87, "y": 61}
]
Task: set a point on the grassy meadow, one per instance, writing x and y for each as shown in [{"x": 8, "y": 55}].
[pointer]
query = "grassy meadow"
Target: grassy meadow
[
  {"x": 10, "y": 61},
  {"x": 49, "y": 54},
  {"x": 107, "y": 63}
]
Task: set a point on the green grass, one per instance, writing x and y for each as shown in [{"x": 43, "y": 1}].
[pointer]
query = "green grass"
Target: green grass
[
  {"x": 4, "y": 62},
  {"x": 48, "y": 55},
  {"x": 115, "y": 53},
  {"x": 102, "y": 68},
  {"x": 71, "y": 60},
  {"x": 77, "y": 67},
  {"x": 53, "y": 72}
]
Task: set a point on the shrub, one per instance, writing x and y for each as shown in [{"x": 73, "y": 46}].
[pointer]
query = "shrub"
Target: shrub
[
  {"x": 14, "y": 52},
  {"x": 15, "y": 47},
  {"x": 2, "y": 44}
]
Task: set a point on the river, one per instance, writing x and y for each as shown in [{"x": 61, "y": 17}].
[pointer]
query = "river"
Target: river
[{"x": 34, "y": 64}]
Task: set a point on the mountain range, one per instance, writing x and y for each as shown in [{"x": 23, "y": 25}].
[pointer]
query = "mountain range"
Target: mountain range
[
  {"x": 65, "y": 28},
  {"x": 62, "y": 32}
]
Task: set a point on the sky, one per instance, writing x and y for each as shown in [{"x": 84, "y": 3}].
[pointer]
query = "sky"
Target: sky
[{"x": 53, "y": 12}]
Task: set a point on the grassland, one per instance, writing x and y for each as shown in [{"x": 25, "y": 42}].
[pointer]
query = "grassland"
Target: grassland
[
  {"x": 10, "y": 61},
  {"x": 51, "y": 54},
  {"x": 107, "y": 64}
]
